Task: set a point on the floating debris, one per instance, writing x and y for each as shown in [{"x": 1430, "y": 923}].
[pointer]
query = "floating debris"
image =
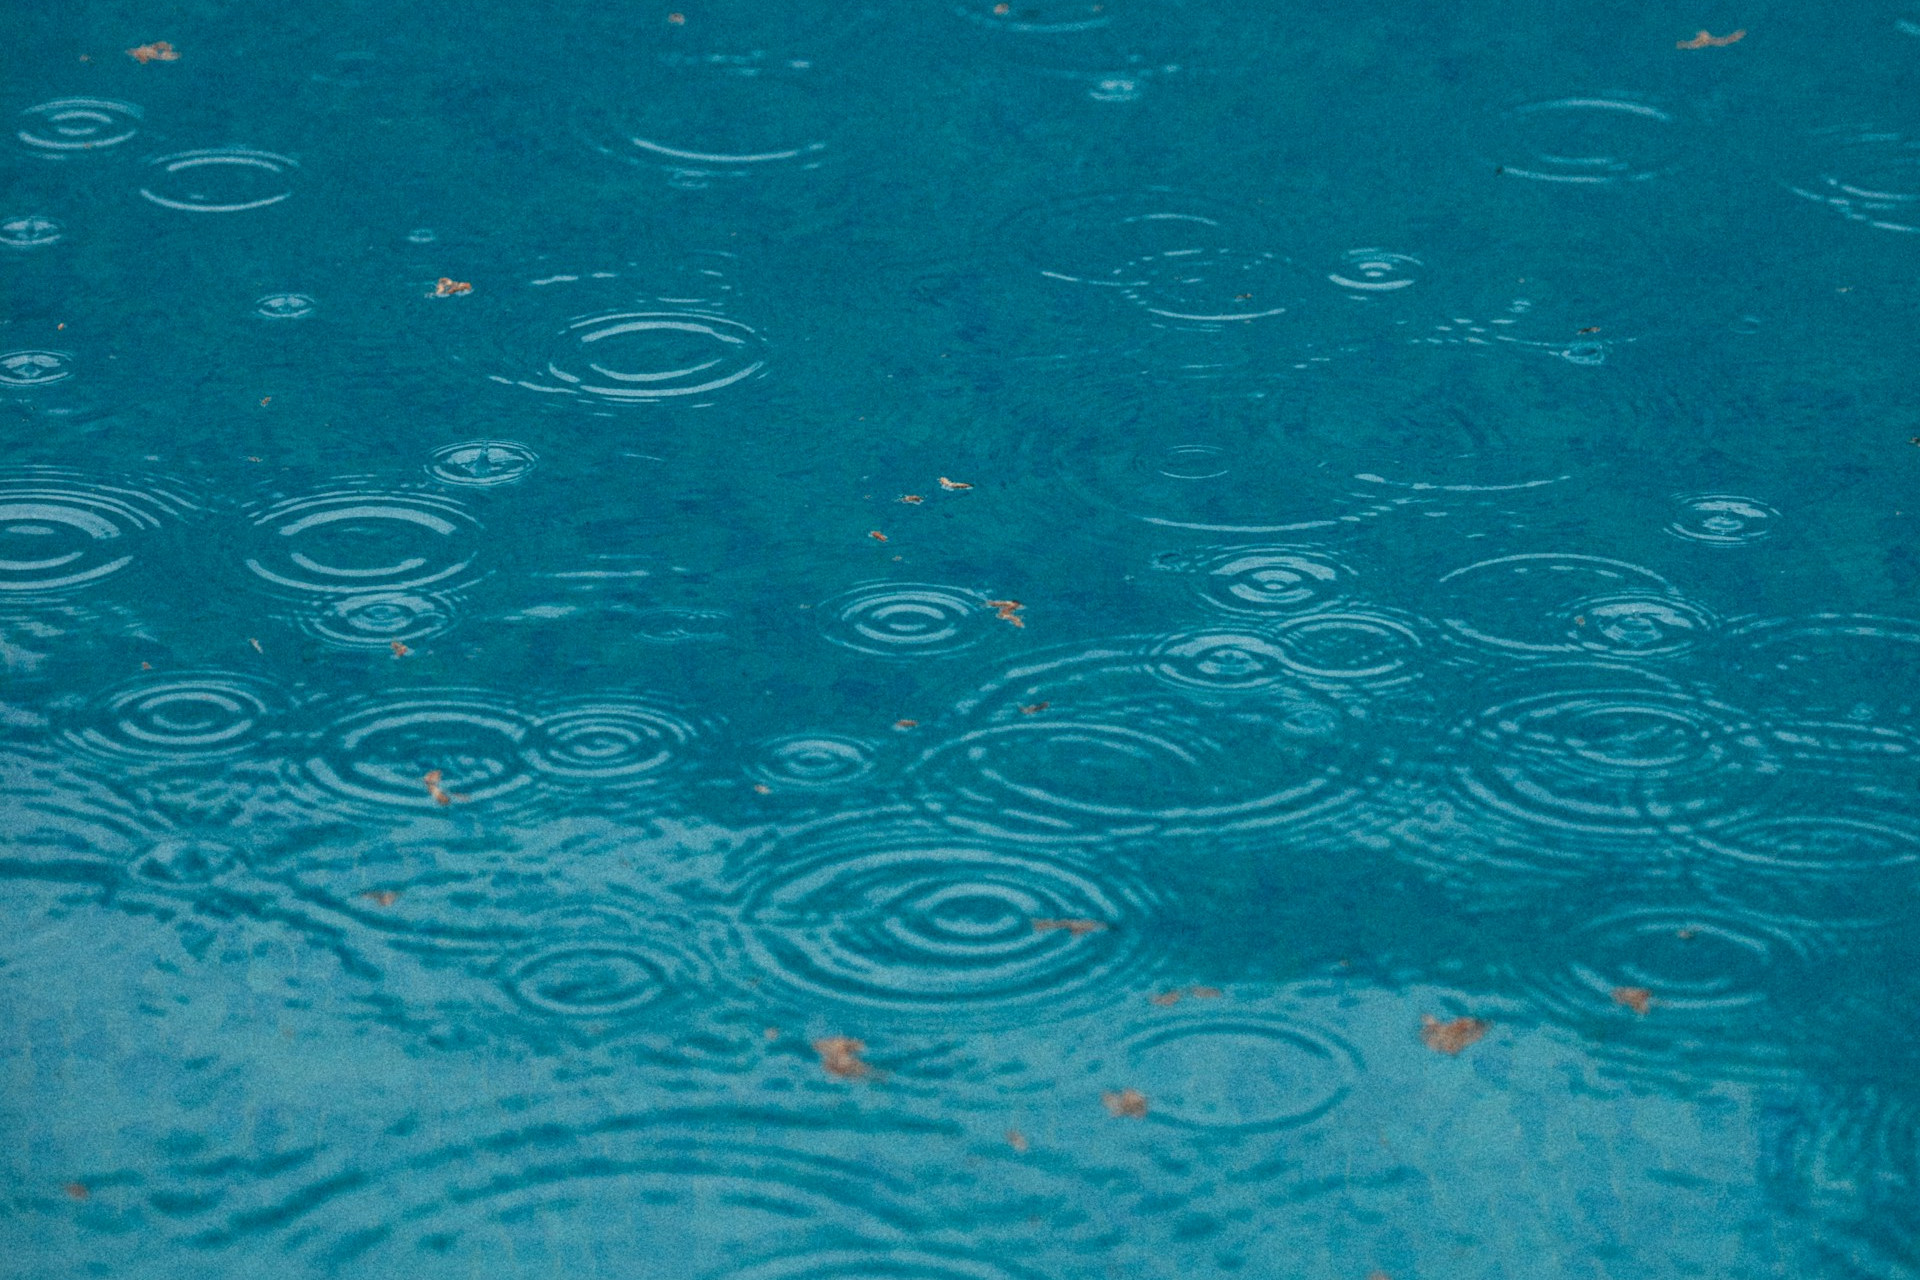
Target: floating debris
[
  {"x": 158, "y": 51},
  {"x": 840, "y": 1057},
  {"x": 446, "y": 287},
  {"x": 1638, "y": 999},
  {"x": 1451, "y": 1036},
  {"x": 1130, "y": 1103},
  {"x": 1077, "y": 928},
  {"x": 1704, "y": 41}
]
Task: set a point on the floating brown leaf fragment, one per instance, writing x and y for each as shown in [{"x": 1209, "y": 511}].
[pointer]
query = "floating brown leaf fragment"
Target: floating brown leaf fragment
[
  {"x": 1017, "y": 1140},
  {"x": 77, "y": 1191},
  {"x": 840, "y": 1056},
  {"x": 265, "y": 401},
  {"x": 912, "y": 499},
  {"x": 1130, "y": 1103},
  {"x": 1173, "y": 997},
  {"x": 1077, "y": 928},
  {"x": 399, "y": 650},
  {"x": 772, "y": 1034},
  {"x": 158, "y": 51},
  {"x": 439, "y": 793},
  {"x": 762, "y": 788},
  {"x": 382, "y": 897},
  {"x": 446, "y": 287},
  {"x": 1034, "y": 708},
  {"x": 876, "y": 535},
  {"x": 1592, "y": 328},
  {"x": 1451, "y": 1036},
  {"x": 677, "y": 19},
  {"x": 1702, "y": 40},
  {"x": 904, "y": 725},
  {"x": 951, "y": 485},
  {"x": 146, "y": 666},
  {"x": 1007, "y": 611},
  {"x": 1165, "y": 998},
  {"x": 1638, "y": 999}
]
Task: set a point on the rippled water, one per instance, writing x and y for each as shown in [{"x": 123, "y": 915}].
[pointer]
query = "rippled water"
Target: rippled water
[{"x": 960, "y": 641}]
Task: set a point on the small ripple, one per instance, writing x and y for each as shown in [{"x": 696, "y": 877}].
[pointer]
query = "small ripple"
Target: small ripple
[
  {"x": 647, "y": 357},
  {"x": 377, "y": 620},
  {"x": 592, "y": 742},
  {"x": 1722, "y": 519},
  {"x": 1372, "y": 272},
  {"x": 1605, "y": 752},
  {"x": 359, "y": 543},
  {"x": 30, "y": 231},
  {"x": 1586, "y": 141},
  {"x": 285, "y": 306},
  {"x": 1709, "y": 974},
  {"x": 813, "y": 762},
  {"x": 60, "y": 530},
  {"x": 1353, "y": 648},
  {"x": 1264, "y": 581},
  {"x": 177, "y": 718},
  {"x": 482, "y": 462},
  {"x": 1534, "y": 605},
  {"x": 381, "y": 754},
  {"x": 864, "y": 1264},
  {"x": 1038, "y": 17},
  {"x": 1092, "y": 239},
  {"x": 717, "y": 123},
  {"x": 913, "y": 920},
  {"x": 1869, "y": 176},
  {"x": 594, "y": 972},
  {"x": 179, "y": 863},
  {"x": 32, "y": 369},
  {"x": 1239, "y": 1073},
  {"x": 1844, "y": 667},
  {"x": 906, "y": 619},
  {"x": 1119, "y": 742},
  {"x": 219, "y": 180},
  {"x": 70, "y": 126},
  {"x": 1210, "y": 286}
]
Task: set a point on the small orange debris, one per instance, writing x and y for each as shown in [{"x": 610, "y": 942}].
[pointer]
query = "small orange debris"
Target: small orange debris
[
  {"x": 439, "y": 793},
  {"x": 876, "y": 535},
  {"x": 1451, "y": 1036},
  {"x": 1008, "y": 611},
  {"x": 1017, "y": 1140},
  {"x": 146, "y": 666},
  {"x": 1001, "y": 10},
  {"x": 158, "y": 51},
  {"x": 265, "y": 401},
  {"x": 1704, "y": 41},
  {"x": 77, "y": 1191},
  {"x": 840, "y": 1056},
  {"x": 1075, "y": 927},
  {"x": 399, "y": 650},
  {"x": 446, "y": 287},
  {"x": 1638, "y": 999},
  {"x": 906, "y": 724},
  {"x": 677, "y": 19},
  {"x": 912, "y": 499},
  {"x": 382, "y": 897},
  {"x": 1165, "y": 998},
  {"x": 951, "y": 485},
  {"x": 772, "y": 1034},
  {"x": 1034, "y": 708},
  {"x": 762, "y": 789},
  {"x": 1130, "y": 1103}
]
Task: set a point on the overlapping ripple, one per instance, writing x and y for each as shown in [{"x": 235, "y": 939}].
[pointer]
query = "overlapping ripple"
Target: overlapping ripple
[
  {"x": 1866, "y": 175},
  {"x": 359, "y": 543},
  {"x": 61, "y": 530},
  {"x": 1839, "y": 667},
  {"x": 813, "y": 762},
  {"x": 378, "y": 620},
  {"x": 609, "y": 742},
  {"x": 1548, "y": 605},
  {"x": 1264, "y": 581},
  {"x": 907, "y": 920},
  {"x": 378, "y": 756}
]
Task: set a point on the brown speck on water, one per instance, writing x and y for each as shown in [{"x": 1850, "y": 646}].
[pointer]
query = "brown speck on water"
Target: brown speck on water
[
  {"x": 1128, "y": 1103},
  {"x": 840, "y": 1057},
  {"x": 1452, "y": 1036}
]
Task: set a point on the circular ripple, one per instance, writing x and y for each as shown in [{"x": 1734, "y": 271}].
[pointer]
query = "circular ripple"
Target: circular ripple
[
  {"x": 30, "y": 369},
  {"x": 645, "y": 357},
  {"x": 887, "y": 1263},
  {"x": 362, "y": 543},
  {"x": 1210, "y": 286},
  {"x": 1607, "y": 757},
  {"x": 1831, "y": 845},
  {"x": 60, "y": 531},
  {"x": 1372, "y": 272},
  {"x": 813, "y": 762},
  {"x": 377, "y": 620},
  {"x": 1722, "y": 519},
  {"x": 1528, "y": 604},
  {"x": 626, "y": 742},
  {"x": 30, "y": 231},
  {"x": 1844, "y": 667},
  {"x": 720, "y": 123},
  {"x": 1351, "y": 649},
  {"x": 1240, "y": 1074},
  {"x": 285, "y": 306},
  {"x": 1221, "y": 661},
  {"x": 482, "y": 462},
  {"x": 1111, "y": 743},
  {"x": 1092, "y": 239},
  {"x": 219, "y": 180},
  {"x": 918, "y": 922},
  {"x": 1868, "y": 176},
  {"x": 1271, "y": 580},
  {"x": 1638, "y": 623},
  {"x": 185, "y": 862},
  {"x": 906, "y": 619},
  {"x": 589, "y": 980},
  {"x": 381, "y": 755},
  {"x": 177, "y": 719},
  {"x": 1590, "y": 141},
  {"x": 67, "y": 126}
]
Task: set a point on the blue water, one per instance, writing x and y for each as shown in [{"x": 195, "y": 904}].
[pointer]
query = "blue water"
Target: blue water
[{"x": 960, "y": 641}]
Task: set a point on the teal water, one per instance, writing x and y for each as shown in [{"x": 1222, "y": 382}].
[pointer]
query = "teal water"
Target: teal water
[{"x": 981, "y": 628}]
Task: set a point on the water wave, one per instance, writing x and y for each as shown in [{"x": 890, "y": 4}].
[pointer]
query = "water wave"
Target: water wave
[
  {"x": 906, "y": 619},
  {"x": 381, "y": 754},
  {"x": 647, "y": 357},
  {"x": 602, "y": 742},
  {"x": 219, "y": 180},
  {"x": 178, "y": 718},
  {"x": 1238, "y": 1072},
  {"x": 1549, "y": 605},
  {"x": 1598, "y": 140},
  {"x": 30, "y": 231},
  {"x": 359, "y": 543},
  {"x": 61, "y": 530},
  {"x": 482, "y": 463},
  {"x": 1722, "y": 519},
  {"x": 73, "y": 126}
]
